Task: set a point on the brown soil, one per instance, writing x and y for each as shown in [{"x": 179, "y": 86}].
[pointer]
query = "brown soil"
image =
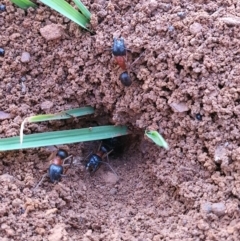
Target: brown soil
[{"x": 190, "y": 62}]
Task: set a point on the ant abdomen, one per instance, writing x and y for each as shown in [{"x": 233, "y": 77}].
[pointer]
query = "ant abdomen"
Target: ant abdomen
[{"x": 125, "y": 79}]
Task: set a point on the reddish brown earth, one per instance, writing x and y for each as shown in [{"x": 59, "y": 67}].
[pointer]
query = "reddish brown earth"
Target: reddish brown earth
[{"x": 190, "y": 65}]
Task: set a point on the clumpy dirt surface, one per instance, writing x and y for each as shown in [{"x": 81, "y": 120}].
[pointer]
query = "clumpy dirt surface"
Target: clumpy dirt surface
[{"x": 185, "y": 85}]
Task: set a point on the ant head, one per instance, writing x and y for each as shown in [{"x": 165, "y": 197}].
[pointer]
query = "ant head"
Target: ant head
[
  {"x": 89, "y": 167},
  {"x": 104, "y": 149},
  {"x": 62, "y": 154},
  {"x": 118, "y": 48}
]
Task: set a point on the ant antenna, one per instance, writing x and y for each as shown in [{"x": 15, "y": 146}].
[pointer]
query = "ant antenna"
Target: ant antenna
[
  {"x": 108, "y": 154},
  {"x": 136, "y": 60},
  {"x": 40, "y": 182}
]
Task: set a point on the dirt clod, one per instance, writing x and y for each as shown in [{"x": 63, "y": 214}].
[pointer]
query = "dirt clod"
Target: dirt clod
[
  {"x": 4, "y": 115},
  {"x": 195, "y": 28},
  {"x": 113, "y": 191},
  {"x": 219, "y": 209},
  {"x": 58, "y": 233},
  {"x": 111, "y": 178},
  {"x": 51, "y": 32},
  {"x": 46, "y": 105},
  {"x": 179, "y": 107},
  {"x": 25, "y": 58},
  {"x": 233, "y": 20}
]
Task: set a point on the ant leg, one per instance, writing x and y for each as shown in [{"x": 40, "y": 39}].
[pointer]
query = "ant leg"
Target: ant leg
[
  {"x": 62, "y": 175},
  {"x": 99, "y": 146},
  {"x": 87, "y": 156},
  {"x": 66, "y": 160},
  {"x": 94, "y": 170},
  {"x": 107, "y": 163},
  {"x": 109, "y": 167},
  {"x": 69, "y": 165},
  {"x": 40, "y": 182},
  {"x": 107, "y": 155},
  {"x": 136, "y": 60}
]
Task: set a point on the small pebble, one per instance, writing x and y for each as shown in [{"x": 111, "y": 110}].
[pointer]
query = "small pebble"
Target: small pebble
[
  {"x": 171, "y": 29},
  {"x": 17, "y": 202},
  {"x": 4, "y": 115},
  {"x": 181, "y": 15},
  {"x": 46, "y": 105},
  {"x": 206, "y": 207},
  {"x": 2, "y": 8},
  {"x": 199, "y": 117},
  {"x": 179, "y": 107},
  {"x": 25, "y": 58},
  {"x": 113, "y": 191},
  {"x": 2, "y": 52},
  {"x": 23, "y": 79},
  {"x": 195, "y": 28},
  {"x": 218, "y": 209}
]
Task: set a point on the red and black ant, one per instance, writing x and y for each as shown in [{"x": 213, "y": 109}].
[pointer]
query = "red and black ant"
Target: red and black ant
[
  {"x": 55, "y": 170},
  {"x": 113, "y": 146},
  {"x": 119, "y": 52},
  {"x": 96, "y": 159}
]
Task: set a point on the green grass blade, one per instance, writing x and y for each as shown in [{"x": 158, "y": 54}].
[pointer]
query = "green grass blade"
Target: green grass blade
[
  {"x": 58, "y": 116},
  {"x": 68, "y": 11},
  {"x": 62, "y": 137},
  {"x": 62, "y": 115},
  {"x": 24, "y": 4},
  {"x": 157, "y": 139},
  {"x": 83, "y": 9}
]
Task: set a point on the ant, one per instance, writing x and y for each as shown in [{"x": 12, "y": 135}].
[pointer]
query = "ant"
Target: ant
[
  {"x": 55, "y": 170},
  {"x": 119, "y": 52},
  {"x": 96, "y": 159}
]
